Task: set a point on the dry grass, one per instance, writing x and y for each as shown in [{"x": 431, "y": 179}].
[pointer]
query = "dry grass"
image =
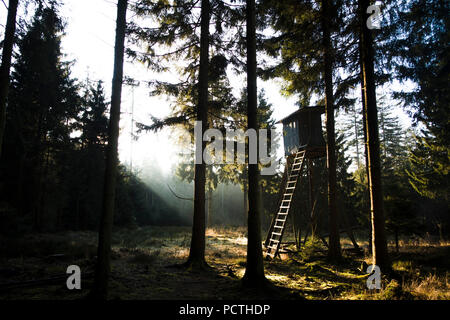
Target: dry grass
[
  {"x": 432, "y": 287},
  {"x": 140, "y": 258}
]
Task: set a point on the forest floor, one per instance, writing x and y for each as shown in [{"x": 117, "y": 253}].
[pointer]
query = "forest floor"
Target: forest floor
[{"x": 143, "y": 259}]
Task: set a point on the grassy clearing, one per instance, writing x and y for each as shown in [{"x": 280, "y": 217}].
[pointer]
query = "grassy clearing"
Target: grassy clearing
[{"x": 140, "y": 260}]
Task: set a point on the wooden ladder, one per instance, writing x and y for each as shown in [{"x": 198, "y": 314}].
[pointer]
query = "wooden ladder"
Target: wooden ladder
[{"x": 279, "y": 222}]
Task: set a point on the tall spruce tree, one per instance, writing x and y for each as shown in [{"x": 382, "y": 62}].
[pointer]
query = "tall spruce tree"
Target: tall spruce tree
[
  {"x": 307, "y": 63},
  {"x": 196, "y": 257},
  {"x": 254, "y": 270},
  {"x": 379, "y": 241},
  {"x": 43, "y": 106},
  {"x": 334, "y": 246},
  {"x": 85, "y": 172},
  {"x": 420, "y": 53},
  {"x": 190, "y": 32},
  {"x": 8, "y": 43},
  {"x": 103, "y": 266}
]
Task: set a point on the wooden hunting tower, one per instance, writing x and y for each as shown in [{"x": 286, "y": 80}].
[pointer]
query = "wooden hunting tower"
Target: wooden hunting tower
[
  {"x": 303, "y": 144},
  {"x": 302, "y": 130}
]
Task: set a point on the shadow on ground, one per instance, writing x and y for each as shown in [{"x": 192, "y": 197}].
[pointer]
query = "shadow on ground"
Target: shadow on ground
[{"x": 141, "y": 260}]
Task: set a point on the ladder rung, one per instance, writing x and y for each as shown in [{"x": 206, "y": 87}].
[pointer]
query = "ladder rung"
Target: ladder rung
[
  {"x": 284, "y": 207},
  {"x": 273, "y": 240},
  {"x": 278, "y": 227},
  {"x": 282, "y": 220},
  {"x": 276, "y": 233},
  {"x": 289, "y": 188}
]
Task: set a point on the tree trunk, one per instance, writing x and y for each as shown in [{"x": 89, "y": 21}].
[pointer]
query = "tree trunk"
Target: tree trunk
[
  {"x": 379, "y": 243},
  {"x": 254, "y": 272},
  {"x": 8, "y": 43},
  {"x": 356, "y": 138},
  {"x": 311, "y": 199},
  {"x": 366, "y": 154},
  {"x": 103, "y": 267},
  {"x": 245, "y": 187},
  {"x": 334, "y": 249},
  {"x": 210, "y": 194},
  {"x": 222, "y": 209},
  {"x": 198, "y": 242}
]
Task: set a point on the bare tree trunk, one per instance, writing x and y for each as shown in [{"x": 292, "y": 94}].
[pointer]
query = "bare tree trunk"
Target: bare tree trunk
[
  {"x": 8, "y": 43},
  {"x": 210, "y": 206},
  {"x": 198, "y": 242},
  {"x": 222, "y": 208},
  {"x": 366, "y": 154},
  {"x": 254, "y": 271},
  {"x": 334, "y": 249},
  {"x": 103, "y": 267},
  {"x": 311, "y": 199},
  {"x": 356, "y": 138},
  {"x": 245, "y": 187},
  {"x": 379, "y": 243}
]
